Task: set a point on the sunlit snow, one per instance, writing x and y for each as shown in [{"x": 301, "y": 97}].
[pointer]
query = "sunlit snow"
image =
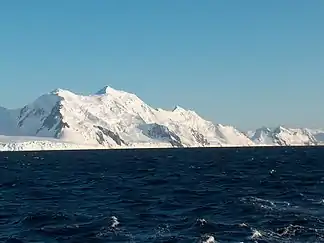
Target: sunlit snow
[{"x": 112, "y": 118}]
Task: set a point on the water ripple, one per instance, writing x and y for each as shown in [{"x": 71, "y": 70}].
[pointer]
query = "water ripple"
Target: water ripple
[{"x": 183, "y": 195}]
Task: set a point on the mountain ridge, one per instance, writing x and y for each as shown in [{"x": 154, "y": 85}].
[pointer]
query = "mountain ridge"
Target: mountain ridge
[
  {"x": 284, "y": 136},
  {"x": 113, "y": 118}
]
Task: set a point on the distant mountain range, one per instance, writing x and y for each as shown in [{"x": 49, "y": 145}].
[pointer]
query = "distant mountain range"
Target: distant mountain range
[
  {"x": 117, "y": 119},
  {"x": 282, "y": 136}
]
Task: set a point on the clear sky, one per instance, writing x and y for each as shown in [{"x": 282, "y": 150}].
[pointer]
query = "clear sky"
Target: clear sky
[{"x": 246, "y": 63}]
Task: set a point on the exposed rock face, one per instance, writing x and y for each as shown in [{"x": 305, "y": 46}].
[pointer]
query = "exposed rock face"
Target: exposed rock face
[
  {"x": 106, "y": 132},
  {"x": 54, "y": 121},
  {"x": 156, "y": 131},
  {"x": 200, "y": 138}
]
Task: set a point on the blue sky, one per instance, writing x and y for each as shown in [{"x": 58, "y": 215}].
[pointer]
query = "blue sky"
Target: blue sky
[{"x": 246, "y": 63}]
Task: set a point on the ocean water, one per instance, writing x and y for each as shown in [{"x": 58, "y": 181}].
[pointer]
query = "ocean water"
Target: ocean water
[{"x": 167, "y": 195}]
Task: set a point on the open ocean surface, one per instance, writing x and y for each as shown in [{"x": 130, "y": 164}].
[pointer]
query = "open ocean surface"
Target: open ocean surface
[{"x": 166, "y": 195}]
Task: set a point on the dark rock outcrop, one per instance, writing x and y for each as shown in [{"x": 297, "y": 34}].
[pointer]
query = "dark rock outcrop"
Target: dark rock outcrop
[
  {"x": 104, "y": 131},
  {"x": 157, "y": 131},
  {"x": 199, "y": 138}
]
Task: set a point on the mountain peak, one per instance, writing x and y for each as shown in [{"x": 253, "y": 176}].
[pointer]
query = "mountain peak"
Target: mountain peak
[
  {"x": 107, "y": 90},
  {"x": 56, "y": 91},
  {"x": 178, "y": 108},
  {"x": 61, "y": 92},
  {"x": 104, "y": 90}
]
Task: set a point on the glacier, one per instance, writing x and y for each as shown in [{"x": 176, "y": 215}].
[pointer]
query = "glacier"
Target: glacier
[{"x": 112, "y": 119}]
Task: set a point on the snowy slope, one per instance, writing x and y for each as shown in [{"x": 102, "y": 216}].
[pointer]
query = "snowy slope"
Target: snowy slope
[
  {"x": 113, "y": 118},
  {"x": 284, "y": 136},
  {"x": 17, "y": 143},
  {"x": 318, "y": 134}
]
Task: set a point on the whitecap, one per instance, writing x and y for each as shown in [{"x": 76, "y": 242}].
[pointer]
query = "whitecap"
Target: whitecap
[
  {"x": 267, "y": 204},
  {"x": 208, "y": 239},
  {"x": 202, "y": 221},
  {"x": 256, "y": 234},
  {"x": 243, "y": 225},
  {"x": 114, "y": 222}
]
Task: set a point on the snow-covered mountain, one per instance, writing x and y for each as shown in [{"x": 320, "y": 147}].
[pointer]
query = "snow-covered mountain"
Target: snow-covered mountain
[
  {"x": 117, "y": 119},
  {"x": 285, "y": 136},
  {"x": 318, "y": 134},
  {"x": 7, "y": 122},
  {"x": 111, "y": 119}
]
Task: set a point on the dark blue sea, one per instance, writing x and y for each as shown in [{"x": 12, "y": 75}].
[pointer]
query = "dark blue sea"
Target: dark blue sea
[{"x": 166, "y": 195}]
